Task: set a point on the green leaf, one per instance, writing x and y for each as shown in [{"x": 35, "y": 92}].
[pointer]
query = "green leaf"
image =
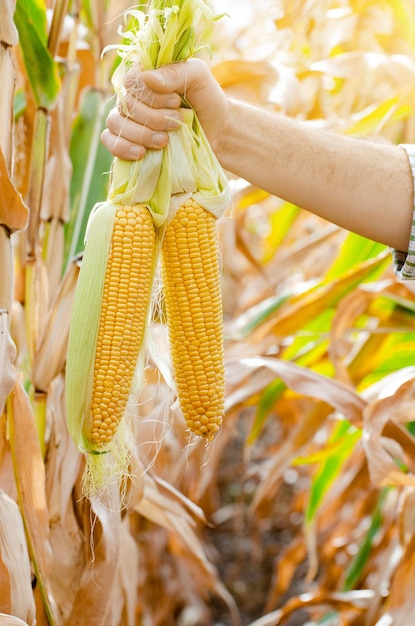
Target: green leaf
[
  {"x": 261, "y": 313},
  {"x": 395, "y": 352},
  {"x": 42, "y": 70},
  {"x": 306, "y": 351},
  {"x": 281, "y": 222},
  {"x": 19, "y": 103},
  {"x": 345, "y": 437},
  {"x": 269, "y": 397},
  {"x": 35, "y": 11},
  {"x": 89, "y": 12},
  {"x": 360, "y": 559},
  {"x": 311, "y": 340},
  {"x": 91, "y": 163},
  {"x": 355, "y": 249}
]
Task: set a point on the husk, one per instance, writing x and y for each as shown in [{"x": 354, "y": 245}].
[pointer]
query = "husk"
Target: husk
[
  {"x": 86, "y": 314},
  {"x": 187, "y": 165},
  {"x": 106, "y": 466}
]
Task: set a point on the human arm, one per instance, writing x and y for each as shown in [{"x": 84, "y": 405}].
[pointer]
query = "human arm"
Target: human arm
[{"x": 364, "y": 186}]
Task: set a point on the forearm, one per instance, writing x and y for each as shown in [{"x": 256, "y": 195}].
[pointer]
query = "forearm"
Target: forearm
[{"x": 363, "y": 186}]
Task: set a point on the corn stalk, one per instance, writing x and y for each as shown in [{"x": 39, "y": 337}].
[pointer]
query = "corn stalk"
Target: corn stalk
[{"x": 13, "y": 213}]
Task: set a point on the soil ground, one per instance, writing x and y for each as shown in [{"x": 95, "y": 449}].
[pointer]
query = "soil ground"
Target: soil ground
[{"x": 246, "y": 553}]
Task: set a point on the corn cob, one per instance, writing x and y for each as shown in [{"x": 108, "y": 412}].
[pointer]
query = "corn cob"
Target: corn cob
[
  {"x": 192, "y": 292},
  {"x": 124, "y": 312},
  {"x": 97, "y": 397}
]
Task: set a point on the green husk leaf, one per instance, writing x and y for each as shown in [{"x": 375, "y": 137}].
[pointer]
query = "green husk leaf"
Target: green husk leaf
[{"x": 85, "y": 319}]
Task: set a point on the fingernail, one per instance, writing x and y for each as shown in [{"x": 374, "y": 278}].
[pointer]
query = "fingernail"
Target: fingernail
[
  {"x": 173, "y": 120},
  {"x": 135, "y": 151},
  {"x": 159, "y": 139},
  {"x": 173, "y": 102}
]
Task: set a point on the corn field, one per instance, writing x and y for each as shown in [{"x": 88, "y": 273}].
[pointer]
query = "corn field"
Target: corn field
[{"x": 302, "y": 509}]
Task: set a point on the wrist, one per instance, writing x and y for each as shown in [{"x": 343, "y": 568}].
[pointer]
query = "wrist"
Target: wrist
[{"x": 222, "y": 135}]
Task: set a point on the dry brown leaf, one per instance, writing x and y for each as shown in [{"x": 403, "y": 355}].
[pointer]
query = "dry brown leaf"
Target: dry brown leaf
[
  {"x": 162, "y": 507},
  {"x": 167, "y": 510},
  {"x": 5, "y": 587},
  {"x": 244, "y": 383},
  {"x": 300, "y": 310},
  {"x": 309, "y": 383},
  {"x": 49, "y": 359},
  {"x": 55, "y": 254},
  {"x": 7, "y": 482},
  {"x": 8, "y": 38},
  {"x": 18, "y": 333},
  {"x": 305, "y": 382},
  {"x": 285, "y": 568},
  {"x": 124, "y": 600},
  {"x": 101, "y": 529},
  {"x": 8, "y": 30},
  {"x": 30, "y": 482},
  {"x": 231, "y": 72},
  {"x": 252, "y": 80},
  {"x": 306, "y": 258},
  {"x": 407, "y": 516},
  {"x": 58, "y": 169},
  {"x": 382, "y": 568},
  {"x": 7, "y": 358},
  {"x": 7, "y": 347},
  {"x": 13, "y": 211},
  {"x": 184, "y": 502},
  {"x": 340, "y": 601},
  {"x": 301, "y": 434},
  {"x": 382, "y": 452},
  {"x": 6, "y": 106},
  {"x": 371, "y": 69},
  {"x": 209, "y": 576},
  {"x": 6, "y": 264},
  {"x": 37, "y": 303},
  {"x": 388, "y": 386},
  {"x": 347, "y": 311},
  {"x": 400, "y": 606},
  {"x": 63, "y": 469},
  {"x": 15, "y": 570},
  {"x": 10, "y": 620}
]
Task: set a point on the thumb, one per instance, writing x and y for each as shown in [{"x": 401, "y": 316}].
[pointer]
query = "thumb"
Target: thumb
[{"x": 174, "y": 77}]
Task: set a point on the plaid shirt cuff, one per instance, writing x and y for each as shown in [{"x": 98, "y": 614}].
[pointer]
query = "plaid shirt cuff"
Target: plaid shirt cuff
[{"x": 404, "y": 262}]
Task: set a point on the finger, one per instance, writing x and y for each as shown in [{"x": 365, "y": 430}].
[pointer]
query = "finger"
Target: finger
[
  {"x": 136, "y": 88},
  {"x": 173, "y": 78},
  {"x": 164, "y": 82},
  {"x": 157, "y": 119},
  {"x": 135, "y": 132},
  {"x": 120, "y": 147}
]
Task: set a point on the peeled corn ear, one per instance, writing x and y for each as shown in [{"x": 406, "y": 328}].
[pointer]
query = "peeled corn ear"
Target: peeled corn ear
[
  {"x": 192, "y": 292},
  {"x": 109, "y": 319}
]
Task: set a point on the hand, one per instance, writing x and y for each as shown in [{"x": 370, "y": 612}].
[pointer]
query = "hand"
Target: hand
[{"x": 152, "y": 108}]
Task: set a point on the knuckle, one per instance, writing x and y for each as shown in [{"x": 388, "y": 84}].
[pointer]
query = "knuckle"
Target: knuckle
[{"x": 110, "y": 120}]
